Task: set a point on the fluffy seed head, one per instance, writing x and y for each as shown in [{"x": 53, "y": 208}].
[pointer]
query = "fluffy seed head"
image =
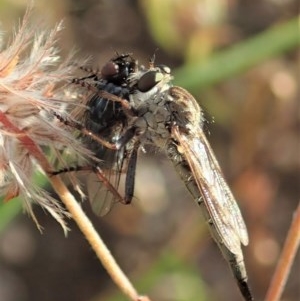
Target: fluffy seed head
[{"x": 30, "y": 72}]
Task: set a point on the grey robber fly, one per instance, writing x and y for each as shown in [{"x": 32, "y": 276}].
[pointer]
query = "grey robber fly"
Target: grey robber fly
[
  {"x": 143, "y": 107},
  {"x": 170, "y": 118}
]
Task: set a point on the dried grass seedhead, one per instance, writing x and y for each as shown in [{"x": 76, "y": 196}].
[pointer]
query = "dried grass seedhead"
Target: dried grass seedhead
[{"x": 30, "y": 72}]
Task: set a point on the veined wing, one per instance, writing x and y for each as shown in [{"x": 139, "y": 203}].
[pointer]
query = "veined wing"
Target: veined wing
[
  {"x": 103, "y": 183},
  {"x": 217, "y": 197}
]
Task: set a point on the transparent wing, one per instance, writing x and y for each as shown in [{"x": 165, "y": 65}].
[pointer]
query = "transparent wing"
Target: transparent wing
[
  {"x": 104, "y": 119},
  {"x": 103, "y": 184},
  {"x": 218, "y": 199}
]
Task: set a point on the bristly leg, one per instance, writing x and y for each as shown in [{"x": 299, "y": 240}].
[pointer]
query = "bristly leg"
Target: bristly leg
[
  {"x": 102, "y": 93},
  {"x": 80, "y": 127},
  {"x": 100, "y": 175},
  {"x": 130, "y": 175}
]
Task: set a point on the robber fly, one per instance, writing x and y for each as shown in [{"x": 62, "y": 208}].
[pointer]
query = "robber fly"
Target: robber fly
[{"x": 141, "y": 107}]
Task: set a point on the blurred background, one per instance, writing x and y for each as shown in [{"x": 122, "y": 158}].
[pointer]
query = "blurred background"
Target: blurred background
[{"x": 240, "y": 59}]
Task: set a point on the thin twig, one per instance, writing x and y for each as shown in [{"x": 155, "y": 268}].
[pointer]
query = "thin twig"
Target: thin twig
[
  {"x": 78, "y": 215},
  {"x": 286, "y": 259}
]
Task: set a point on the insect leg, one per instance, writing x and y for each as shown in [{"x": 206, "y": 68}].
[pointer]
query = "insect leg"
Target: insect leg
[
  {"x": 102, "y": 93},
  {"x": 130, "y": 175},
  {"x": 100, "y": 175},
  {"x": 69, "y": 169},
  {"x": 93, "y": 73},
  {"x": 124, "y": 139},
  {"x": 77, "y": 125}
]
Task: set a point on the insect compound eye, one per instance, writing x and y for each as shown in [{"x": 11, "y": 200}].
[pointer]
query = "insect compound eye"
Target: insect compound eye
[
  {"x": 110, "y": 69},
  {"x": 149, "y": 80}
]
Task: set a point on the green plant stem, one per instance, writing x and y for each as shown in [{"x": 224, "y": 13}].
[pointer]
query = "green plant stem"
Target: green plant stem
[
  {"x": 8, "y": 211},
  {"x": 240, "y": 57}
]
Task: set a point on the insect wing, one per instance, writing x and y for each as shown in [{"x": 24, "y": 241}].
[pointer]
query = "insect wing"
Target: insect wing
[
  {"x": 218, "y": 199},
  {"x": 100, "y": 198},
  {"x": 103, "y": 184}
]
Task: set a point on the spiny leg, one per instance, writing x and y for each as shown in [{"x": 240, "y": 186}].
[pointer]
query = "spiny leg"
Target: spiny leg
[
  {"x": 77, "y": 125},
  {"x": 101, "y": 93},
  {"x": 130, "y": 174},
  {"x": 100, "y": 175}
]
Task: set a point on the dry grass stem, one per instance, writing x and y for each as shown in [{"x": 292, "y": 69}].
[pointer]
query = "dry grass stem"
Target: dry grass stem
[
  {"x": 29, "y": 75},
  {"x": 286, "y": 260}
]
